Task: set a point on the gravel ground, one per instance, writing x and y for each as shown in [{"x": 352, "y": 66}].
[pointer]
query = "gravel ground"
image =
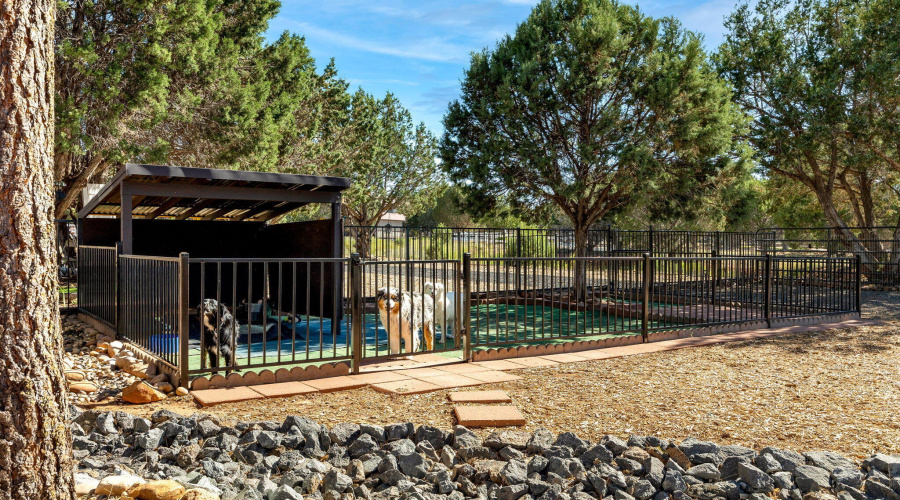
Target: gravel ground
[
  {"x": 881, "y": 305},
  {"x": 837, "y": 390}
]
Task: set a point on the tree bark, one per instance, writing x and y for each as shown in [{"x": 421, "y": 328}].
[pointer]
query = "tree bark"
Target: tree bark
[
  {"x": 35, "y": 442},
  {"x": 579, "y": 290}
]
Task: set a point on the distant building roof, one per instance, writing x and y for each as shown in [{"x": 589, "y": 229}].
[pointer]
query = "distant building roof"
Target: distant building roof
[{"x": 393, "y": 216}]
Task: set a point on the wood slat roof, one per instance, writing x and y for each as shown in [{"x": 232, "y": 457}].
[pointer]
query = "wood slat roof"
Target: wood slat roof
[{"x": 180, "y": 193}]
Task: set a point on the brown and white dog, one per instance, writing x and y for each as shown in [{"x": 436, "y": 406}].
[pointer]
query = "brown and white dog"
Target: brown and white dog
[{"x": 403, "y": 315}]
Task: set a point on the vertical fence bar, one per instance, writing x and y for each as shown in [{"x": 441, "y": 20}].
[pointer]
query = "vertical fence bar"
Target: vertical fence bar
[
  {"x": 768, "y": 290},
  {"x": 118, "y": 300},
  {"x": 184, "y": 308},
  {"x": 467, "y": 307},
  {"x": 357, "y": 310},
  {"x": 859, "y": 284},
  {"x": 645, "y": 307}
]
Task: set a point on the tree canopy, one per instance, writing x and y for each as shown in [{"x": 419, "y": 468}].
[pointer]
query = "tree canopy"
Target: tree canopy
[
  {"x": 819, "y": 80},
  {"x": 590, "y": 106},
  {"x": 184, "y": 81}
]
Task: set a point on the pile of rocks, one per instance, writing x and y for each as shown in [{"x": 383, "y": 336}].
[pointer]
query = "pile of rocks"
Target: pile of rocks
[
  {"x": 298, "y": 458},
  {"x": 98, "y": 368}
]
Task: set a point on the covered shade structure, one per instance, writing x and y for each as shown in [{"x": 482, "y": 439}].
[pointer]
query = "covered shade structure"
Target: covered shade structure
[{"x": 159, "y": 192}]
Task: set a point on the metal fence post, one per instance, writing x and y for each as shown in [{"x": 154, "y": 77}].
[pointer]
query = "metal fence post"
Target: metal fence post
[
  {"x": 859, "y": 284},
  {"x": 650, "y": 242},
  {"x": 645, "y": 303},
  {"x": 768, "y": 290},
  {"x": 518, "y": 263},
  {"x": 118, "y": 288},
  {"x": 184, "y": 309},
  {"x": 467, "y": 307},
  {"x": 409, "y": 268},
  {"x": 716, "y": 275},
  {"x": 356, "y": 306}
]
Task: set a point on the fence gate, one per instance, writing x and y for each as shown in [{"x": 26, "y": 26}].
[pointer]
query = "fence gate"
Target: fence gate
[{"x": 405, "y": 307}]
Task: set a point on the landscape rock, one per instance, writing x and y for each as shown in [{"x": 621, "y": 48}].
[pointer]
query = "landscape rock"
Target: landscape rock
[
  {"x": 755, "y": 478},
  {"x": 200, "y": 494},
  {"x": 811, "y": 478},
  {"x": 116, "y": 485},
  {"x": 828, "y": 460},
  {"x": 157, "y": 490},
  {"x": 707, "y": 472},
  {"x": 299, "y": 458},
  {"x": 141, "y": 393}
]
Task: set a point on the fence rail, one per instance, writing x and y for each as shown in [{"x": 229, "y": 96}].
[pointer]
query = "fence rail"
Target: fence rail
[
  {"x": 284, "y": 312},
  {"x": 149, "y": 305},
  {"x": 97, "y": 281},
  {"x": 436, "y": 243},
  {"x": 880, "y": 246},
  {"x": 293, "y": 312}
]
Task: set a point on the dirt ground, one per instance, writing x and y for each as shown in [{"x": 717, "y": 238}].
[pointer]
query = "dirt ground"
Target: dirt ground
[{"x": 837, "y": 390}]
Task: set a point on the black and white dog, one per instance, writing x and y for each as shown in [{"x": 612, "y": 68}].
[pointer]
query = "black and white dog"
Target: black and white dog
[{"x": 219, "y": 332}]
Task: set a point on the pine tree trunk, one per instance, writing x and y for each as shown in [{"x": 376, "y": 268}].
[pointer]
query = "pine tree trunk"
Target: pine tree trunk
[
  {"x": 35, "y": 443},
  {"x": 579, "y": 287}
]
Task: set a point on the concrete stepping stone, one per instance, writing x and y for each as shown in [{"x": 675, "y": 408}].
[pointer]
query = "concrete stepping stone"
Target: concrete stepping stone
[
  {"x": 492, "y": 377},
  {"x": 489, "y": 416},
  {"x": 379, "y": 377},
  {"x": 500, "y": 364},
  {"x": 283, "y": 389},
  {"x": 565, "y": 358},
  {"x": 480, "y": 397},
  {"x": 422, "y": 372},
  {"x": 209, "y": 397},
  {"x": 451, "y": 380},
  {"x": 534, "y": 362},
  {"x": 334, "y": 384},
  {"x": 462, "y": 368},
  {"x": 409, "y": 386}
]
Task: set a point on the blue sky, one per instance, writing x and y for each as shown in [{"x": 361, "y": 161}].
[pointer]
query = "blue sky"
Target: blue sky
[{"x": 419, "y": 49}]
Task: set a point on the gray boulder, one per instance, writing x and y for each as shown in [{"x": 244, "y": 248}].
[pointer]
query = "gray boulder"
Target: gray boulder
[
  {"x": 708, "y": 472},
  {"x": 673, "y": 481},
  {"x": 393, "y": 432},
  {"x": 644, "y": 490},
  {"x": 541, "y": 439},
  {"x": 788, "y": 459},
  {"x": 848, "y": 477},
  {"x": 344, "y": 433},
  {"x": 812, "y": 478},
  {"x": 755, "y": 478},
  {"x": 514, "y": 472},
  {"x": 464, "y": 438},
  {"x": 828, "y": 460},
  {"x": 412, "y": 464}
]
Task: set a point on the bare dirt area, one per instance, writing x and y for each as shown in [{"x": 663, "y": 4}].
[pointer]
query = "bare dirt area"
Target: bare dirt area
[{"x": 837, "y": 390}]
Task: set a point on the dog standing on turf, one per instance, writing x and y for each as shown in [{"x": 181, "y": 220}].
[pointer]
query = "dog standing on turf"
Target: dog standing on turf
[
  {"x": 444, "y": 309},
  {"x": 403, "y": 315},
  {"x": 219, "y": 332}
]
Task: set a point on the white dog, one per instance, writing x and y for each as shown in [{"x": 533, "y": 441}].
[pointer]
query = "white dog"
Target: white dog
[
  {"x": 444, "y": 308},
  {"x": 403, "y": 315}
]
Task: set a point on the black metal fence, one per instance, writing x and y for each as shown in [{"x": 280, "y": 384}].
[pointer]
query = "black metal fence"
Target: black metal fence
[
  {"x": 436, "y": 243},
  {"x": 67, "y": 262},
  {"x": 97, "y": 282},
  {"x": 283, "y": 312},
  {"x": 576, "y": 297},
  {"x": 149, "y": 305},
  {"x": 296, "y": 312},
  {"x": 397, "y": 299},
  {"x": 879, "y": 246}
]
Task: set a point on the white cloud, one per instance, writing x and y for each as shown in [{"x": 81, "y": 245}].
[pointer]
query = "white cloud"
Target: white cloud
[{"x": 429, "y": 49}]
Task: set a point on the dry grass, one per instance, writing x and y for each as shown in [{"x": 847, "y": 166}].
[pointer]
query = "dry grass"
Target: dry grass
[{"x": 837, "y": 390}]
